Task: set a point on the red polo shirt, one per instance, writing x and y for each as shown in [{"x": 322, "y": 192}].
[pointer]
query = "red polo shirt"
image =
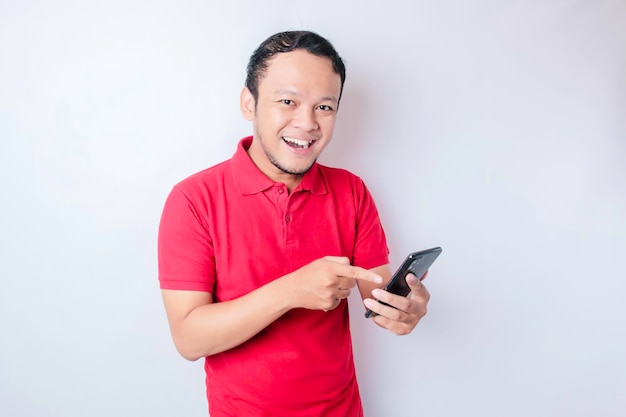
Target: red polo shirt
[{"x": 230, "y": 229}]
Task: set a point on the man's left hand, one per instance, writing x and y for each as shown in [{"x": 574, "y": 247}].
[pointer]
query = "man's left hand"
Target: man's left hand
[{"x": 408, "y": 310}]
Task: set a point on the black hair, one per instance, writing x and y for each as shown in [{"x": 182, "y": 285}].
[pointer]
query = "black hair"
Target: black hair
[{"x": 287, "y": 42}]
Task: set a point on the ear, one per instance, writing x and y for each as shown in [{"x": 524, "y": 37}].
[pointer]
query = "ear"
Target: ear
[{"x": 247, "y": 104}]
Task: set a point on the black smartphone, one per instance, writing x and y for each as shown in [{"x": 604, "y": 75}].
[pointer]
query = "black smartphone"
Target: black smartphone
[{"x": 416, "y": 263}]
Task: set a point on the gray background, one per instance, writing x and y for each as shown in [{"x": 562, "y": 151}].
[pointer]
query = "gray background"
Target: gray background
[{"x": 495, "y": 129}]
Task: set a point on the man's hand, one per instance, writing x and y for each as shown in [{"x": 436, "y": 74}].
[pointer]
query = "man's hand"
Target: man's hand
[
  {"x": 322, "y": 284},
  {"x": 408, "y": 310}
]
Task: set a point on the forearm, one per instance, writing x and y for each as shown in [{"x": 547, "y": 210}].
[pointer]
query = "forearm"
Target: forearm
[
  {"x": 213, "y": 328},
  {"x": 203, "y": 328}
]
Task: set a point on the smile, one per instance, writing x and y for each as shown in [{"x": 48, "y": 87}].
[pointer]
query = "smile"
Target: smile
[{"x": 297, "y": 143}]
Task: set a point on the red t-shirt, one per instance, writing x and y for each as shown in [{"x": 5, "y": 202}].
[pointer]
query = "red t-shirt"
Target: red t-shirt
[{"x": 230, "y": 229}]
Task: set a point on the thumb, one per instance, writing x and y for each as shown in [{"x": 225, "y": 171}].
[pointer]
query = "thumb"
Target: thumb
[{"x": 414, "y": 283}]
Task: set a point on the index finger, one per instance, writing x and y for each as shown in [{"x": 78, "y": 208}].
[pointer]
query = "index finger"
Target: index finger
[
  {"x": 357, "y": 272},
  {"x": 339, "y": 259}
]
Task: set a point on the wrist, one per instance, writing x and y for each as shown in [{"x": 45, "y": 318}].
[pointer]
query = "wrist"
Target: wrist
[{"x": 284, "y": 293}]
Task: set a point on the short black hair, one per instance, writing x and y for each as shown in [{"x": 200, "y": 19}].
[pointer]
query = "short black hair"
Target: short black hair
[{"x": 287, "y": 42}]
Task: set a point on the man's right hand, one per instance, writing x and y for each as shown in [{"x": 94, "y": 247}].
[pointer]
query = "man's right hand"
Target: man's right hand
[{"x": 323, "y": 283}]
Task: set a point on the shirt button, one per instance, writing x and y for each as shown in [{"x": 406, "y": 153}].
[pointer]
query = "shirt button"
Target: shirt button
[
  {"x": 288, "y": 218},
  {"x": 281, "y": 190}
]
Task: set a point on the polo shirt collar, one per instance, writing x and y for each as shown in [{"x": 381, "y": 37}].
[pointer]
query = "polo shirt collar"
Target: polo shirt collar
[{"x": 250, "y": 180}]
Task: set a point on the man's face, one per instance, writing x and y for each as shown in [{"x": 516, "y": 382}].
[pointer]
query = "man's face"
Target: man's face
[{"x": 294, "y": 114}]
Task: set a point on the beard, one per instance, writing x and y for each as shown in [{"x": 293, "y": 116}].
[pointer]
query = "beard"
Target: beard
[{"x": 291, "y": 171}]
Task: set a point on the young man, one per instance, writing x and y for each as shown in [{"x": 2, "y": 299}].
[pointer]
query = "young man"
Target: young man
[{"x": 258, "y": 254}]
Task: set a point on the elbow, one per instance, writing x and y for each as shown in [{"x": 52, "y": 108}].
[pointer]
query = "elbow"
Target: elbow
[
  {"x": 187, "y": 351},
  {"x": 193, "y": 352},
  {"x": 190, "y": 356}
]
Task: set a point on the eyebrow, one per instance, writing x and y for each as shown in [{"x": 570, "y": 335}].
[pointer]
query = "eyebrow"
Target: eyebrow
[{"x": 294, "y": 93}]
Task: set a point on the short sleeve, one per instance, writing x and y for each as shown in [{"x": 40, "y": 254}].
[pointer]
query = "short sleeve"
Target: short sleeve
[
  {"x": 370, "y": 249},
  {"x": 185, "y": 250}
]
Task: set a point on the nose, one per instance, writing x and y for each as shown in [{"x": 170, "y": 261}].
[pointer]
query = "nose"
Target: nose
[{"x": 305, "y": 119}]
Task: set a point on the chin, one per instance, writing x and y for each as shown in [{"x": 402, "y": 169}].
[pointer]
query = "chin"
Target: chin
[{"x": 295, "y": 170}]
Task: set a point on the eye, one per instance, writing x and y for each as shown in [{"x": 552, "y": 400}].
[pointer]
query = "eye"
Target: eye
[
  {"x": 287, "y": 102},
  {"x": 325, "y": 107}
]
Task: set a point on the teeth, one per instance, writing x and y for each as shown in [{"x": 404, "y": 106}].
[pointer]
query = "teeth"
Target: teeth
[{"x": 298, "y": 142}]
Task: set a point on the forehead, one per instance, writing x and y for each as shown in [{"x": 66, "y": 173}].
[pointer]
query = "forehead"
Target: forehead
[{"x": 300, "y": 68}]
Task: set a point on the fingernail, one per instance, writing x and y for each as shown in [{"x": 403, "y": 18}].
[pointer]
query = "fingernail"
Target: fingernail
[
  {"x": 377, "y": 293},
  {"x": 378, "y": 279},
  {"x": 369, "y": 303}
]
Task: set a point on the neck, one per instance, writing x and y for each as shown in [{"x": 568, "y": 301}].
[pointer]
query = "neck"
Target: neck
[{"x": 260, "y": 159}]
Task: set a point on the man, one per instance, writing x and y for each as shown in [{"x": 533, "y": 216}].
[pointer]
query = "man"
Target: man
[{"x": 258, "y": 254}]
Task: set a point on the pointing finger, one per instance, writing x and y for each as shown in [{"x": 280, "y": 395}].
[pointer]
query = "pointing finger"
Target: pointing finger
[
  {"x": 356, "y": 272},
  {"x": 339, "y": 259}
]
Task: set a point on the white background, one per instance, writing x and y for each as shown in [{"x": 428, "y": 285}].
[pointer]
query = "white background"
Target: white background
[{"x": 496, "y": 129}]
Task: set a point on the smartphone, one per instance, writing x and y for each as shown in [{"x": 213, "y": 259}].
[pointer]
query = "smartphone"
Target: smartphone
[{"x": 416, "y": 263}]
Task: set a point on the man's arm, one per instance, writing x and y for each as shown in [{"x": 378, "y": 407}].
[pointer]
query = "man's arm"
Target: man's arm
[
  {"x": 201, "y": 327},
  {"x": 408, "y": 310}
]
